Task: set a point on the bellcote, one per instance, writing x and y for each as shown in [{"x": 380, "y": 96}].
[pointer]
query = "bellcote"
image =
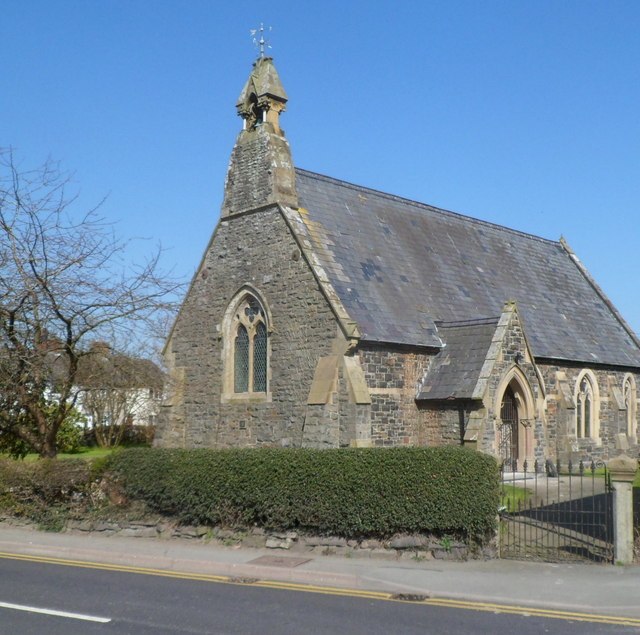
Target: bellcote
[
  {"x": 263, "y": 97},
  {"x": 261, "y": 170}
]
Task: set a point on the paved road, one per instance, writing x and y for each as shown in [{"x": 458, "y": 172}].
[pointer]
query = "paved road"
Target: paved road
[
  {"x": 150, "y": 604},
  {"x": 576, "y": 588}
]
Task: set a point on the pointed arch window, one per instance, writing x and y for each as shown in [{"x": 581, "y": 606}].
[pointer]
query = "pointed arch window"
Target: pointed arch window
[
  {"x": 587, "y": 425},
  {"x": 247, "y": 349},
  {"x": 630, "y": 403},
  {"x": 241, "y": 360},
  {"x": 260, "y": 358}
]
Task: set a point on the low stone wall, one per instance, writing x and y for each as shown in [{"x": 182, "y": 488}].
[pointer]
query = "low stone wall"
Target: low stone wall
[{"x": 400, "y": 547}]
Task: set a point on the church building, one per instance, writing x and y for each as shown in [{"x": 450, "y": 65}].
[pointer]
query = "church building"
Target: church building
[{"x": 324, "y": 314}]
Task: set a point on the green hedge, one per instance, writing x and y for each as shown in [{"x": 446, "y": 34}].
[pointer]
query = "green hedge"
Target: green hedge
[{"x": 346, "y": 492}]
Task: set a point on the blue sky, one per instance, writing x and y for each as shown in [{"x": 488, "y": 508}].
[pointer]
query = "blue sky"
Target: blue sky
[{"x": 523, "y": 113}]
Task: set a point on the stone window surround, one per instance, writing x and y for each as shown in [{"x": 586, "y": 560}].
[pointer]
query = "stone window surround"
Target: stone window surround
[
  {"x": 630, "y": 397},
  {"x": 594, "y": 425},
  {"x": 228, "y": 329}
]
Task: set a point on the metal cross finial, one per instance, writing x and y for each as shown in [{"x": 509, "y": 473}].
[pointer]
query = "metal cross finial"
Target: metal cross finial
[{"x": 260, "y": 43}]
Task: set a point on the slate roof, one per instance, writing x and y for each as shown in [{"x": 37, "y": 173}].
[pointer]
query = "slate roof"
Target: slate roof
[
  {"x": 455, "y": 370},
  {"x": 398, "y": 266}
]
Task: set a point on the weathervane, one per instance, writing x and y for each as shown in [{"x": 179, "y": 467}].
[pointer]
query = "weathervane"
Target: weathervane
[{"x": 260, "y": 43}]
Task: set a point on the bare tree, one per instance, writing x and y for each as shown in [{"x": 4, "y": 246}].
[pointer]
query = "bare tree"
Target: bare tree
[{"x": 64, "y": 282}]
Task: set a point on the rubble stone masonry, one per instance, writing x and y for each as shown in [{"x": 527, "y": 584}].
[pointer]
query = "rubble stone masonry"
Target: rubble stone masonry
[
  {"x": 561, "y": 415},
  {"x": 257, "y": 249}
]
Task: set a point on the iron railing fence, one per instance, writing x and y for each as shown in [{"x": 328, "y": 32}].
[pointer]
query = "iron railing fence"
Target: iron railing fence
[{"x": 556, "y": 512}]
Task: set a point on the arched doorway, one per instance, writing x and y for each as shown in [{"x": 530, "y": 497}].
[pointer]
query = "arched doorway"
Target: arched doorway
[
  {"x": 514, "y": 432},
  {"x": 508, "y": 429}
]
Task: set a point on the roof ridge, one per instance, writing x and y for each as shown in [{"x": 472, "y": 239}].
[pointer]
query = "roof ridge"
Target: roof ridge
[
  {"x": 432, "y": 208},
  {"x": 471, "y": 322}
]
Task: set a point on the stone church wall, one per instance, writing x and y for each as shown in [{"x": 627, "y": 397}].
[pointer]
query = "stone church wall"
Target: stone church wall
[
  {"x": 561, "y": 414},
  {"x": 442, "y": 423},
  {"x": 258, "y": 249},
  {"x": 392, "y": 376}
]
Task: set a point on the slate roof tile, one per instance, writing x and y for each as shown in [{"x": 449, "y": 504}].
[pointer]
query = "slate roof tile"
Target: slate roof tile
[
  {"x": 455, "y": 370},
  {"x": 398, "y": 266}
]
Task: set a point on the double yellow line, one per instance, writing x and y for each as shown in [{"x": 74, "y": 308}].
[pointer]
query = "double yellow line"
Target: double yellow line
[
  {"x": 535, "y": 612},
  {"x": 356, "y": 593}
]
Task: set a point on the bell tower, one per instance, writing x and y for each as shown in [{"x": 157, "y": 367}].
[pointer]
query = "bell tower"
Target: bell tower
[{"x": 261, "y": 170}]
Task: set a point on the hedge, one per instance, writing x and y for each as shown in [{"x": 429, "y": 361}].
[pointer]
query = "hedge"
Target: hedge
[{"x": 345, "y": 492}]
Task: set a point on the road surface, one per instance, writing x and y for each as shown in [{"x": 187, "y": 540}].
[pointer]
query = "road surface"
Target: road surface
[{"x": 38, "y": 598}]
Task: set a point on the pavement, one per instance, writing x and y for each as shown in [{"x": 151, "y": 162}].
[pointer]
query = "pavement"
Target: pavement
[{"x": 582, "y": 588}]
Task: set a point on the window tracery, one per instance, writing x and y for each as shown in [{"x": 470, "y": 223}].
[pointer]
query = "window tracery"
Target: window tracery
[
  {"x": 247, "y": 349},
  {"x": 587, "y": 407}
]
